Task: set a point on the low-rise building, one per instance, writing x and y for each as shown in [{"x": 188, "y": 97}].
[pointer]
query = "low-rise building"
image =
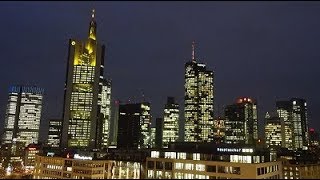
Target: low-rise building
[
  {"x": 299, "y": 164},
  {"x": 211, "y": 161},
  {"x": 111, "y": 165},
  {"x": 30, "y": 155}
]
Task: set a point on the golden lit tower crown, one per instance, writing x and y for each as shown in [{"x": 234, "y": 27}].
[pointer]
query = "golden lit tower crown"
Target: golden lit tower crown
[
  {"x": 92, "y": 33},
  {"x": 93, "y": 26}
]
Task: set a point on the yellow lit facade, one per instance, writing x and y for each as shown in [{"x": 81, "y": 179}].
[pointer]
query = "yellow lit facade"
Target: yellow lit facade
[{"x": 87, "y": 95}]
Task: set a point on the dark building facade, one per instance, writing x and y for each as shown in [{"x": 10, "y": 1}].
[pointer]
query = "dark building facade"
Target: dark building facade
[
  {"x": 314, "y": 137},
  {"x": 199, "y": 100},
  {"x": 241, "y": 122},
  {"x": 134, "y": 126},
  {"x": 159, "y": 132},
  {"x": 84, "y": 117},
  {"x": 54, "y": 134}
]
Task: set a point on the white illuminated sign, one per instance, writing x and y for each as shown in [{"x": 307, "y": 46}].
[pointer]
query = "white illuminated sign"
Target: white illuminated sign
[
  {"x": 235, "y": 150},
  {"x": 229, "y": 149},
  {"x": 77, "y": 156}
]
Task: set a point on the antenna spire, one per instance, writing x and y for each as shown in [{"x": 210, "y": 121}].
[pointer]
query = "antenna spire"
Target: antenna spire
[
  {"x": 93, "y": 26},
  {"x": 93, "y": 13},
  {"x": 193, "y": 51}
]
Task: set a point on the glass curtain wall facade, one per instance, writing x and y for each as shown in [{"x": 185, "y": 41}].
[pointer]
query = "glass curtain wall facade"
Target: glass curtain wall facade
[
  {"x": 294, "y": 113},
  {"x": 22, "y": 120},
  {"x": 241, "y": 122},
  {"x": 274, "y": 131},
  {"x": 106, "y": 112},
  {"x": 170, "y": 122},
  {"x": 85, "y": 117},
  {"x": 134, "y": 130},
  {"x": 199, "y": 100},
  {"x": 284, "y": 112}
]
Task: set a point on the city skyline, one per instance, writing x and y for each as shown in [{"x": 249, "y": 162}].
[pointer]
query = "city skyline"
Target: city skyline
[{"x": 153, "y": 78}]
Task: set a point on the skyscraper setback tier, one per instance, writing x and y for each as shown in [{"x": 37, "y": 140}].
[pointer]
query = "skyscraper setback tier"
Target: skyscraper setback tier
[
  {"x": 199, "y": 100},
  {"x": 85, "y": 115},
  {"x": 22, "y": 120}
]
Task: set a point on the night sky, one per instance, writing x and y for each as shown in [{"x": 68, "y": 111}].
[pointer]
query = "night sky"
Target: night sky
[{"x": 265, "y": 50}]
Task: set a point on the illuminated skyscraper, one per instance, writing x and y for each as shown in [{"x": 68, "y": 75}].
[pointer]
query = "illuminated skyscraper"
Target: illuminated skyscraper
[
  {"x": 274, "y": 131},
  {"x": 134, "y": 126},
  {"x": 106, "y": 112},
  {"x": 86, "y": 113},
  {"x": 170, "y": 122},
  {"x": 22, "y": 120},
  {"x": 300, "y": 123},
  {"x": 153, "y": 137},
  {"x": 54, "y": 133},
  {"x": 199, "y": 96},
  {"x": 284, "y": 112},
  {"x": 294, "y": 113},
  {"x": 241, "y": 122}
]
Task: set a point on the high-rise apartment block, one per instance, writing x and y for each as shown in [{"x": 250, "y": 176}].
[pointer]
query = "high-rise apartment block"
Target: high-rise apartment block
[
  {"x": 22, "y": 120},
  {"x": 170, "y": 122},
  {"x": 294, "y": 113},
  {"x": 241, "y": 122},
  {"x": 86, "y": 112},
  {"x": 199, "y": 97},
  {"x": 134, "y": 126}
]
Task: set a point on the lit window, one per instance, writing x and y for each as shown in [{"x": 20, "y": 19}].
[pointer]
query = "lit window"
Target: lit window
[
  {"x": 196, "y": 156},
  {"x": 155, "y": 154},
  {"x": 200, "y": 167}
]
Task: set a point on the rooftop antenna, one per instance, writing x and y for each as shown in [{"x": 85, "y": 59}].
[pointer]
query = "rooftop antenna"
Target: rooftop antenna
[{"x": 193, "y": 51}]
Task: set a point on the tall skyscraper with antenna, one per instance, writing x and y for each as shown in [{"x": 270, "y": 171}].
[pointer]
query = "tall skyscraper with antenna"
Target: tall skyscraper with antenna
[
  {"x": 85, "y": 117},
  {"x": 199, "y": 100}
]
